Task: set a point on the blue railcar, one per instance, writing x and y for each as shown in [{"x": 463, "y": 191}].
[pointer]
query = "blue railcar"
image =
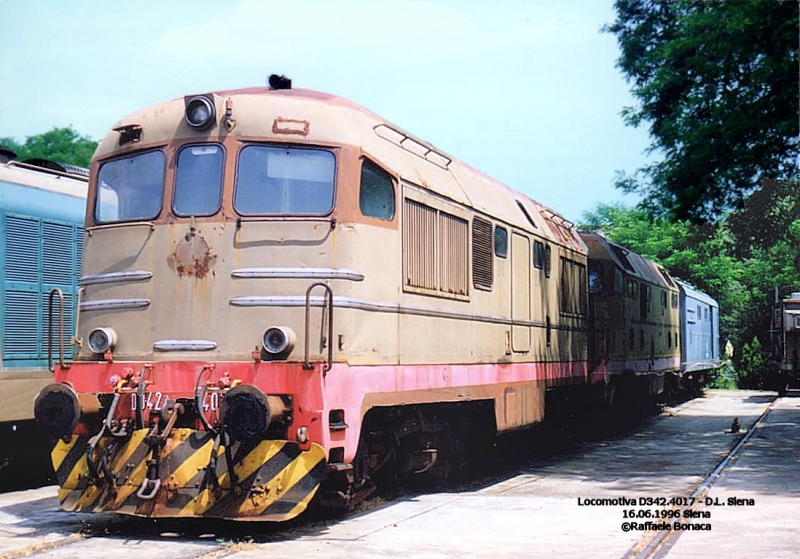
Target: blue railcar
[
  {"x": 42, "y": 209},
  {"x": 699, "y": 315}
]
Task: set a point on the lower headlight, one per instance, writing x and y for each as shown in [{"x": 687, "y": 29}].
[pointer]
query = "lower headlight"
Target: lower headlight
[
  {"x": 102, "y": 339},
  {"x": 279, "y": 340}
]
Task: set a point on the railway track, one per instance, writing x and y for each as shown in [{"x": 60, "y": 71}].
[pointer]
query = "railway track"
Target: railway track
[{"x": 488, "y": 516}]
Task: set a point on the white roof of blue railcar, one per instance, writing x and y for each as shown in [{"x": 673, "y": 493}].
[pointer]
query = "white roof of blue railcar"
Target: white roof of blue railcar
[
  {"x": 68, "y": 182},
  {"x": 690, "y": 291}
]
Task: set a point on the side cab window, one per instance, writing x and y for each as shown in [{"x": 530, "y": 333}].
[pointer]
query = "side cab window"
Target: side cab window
[
  {"x": 596, "y": 277},
  {"x": 376, "y": 192}
]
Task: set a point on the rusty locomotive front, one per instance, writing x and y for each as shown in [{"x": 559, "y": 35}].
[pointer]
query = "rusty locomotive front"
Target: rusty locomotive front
[{"x": 285, "y": 296}]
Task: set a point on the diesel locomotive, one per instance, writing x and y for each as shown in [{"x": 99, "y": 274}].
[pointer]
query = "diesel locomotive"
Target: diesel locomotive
[
  {"x": 286, "y": 296},
  {"x": 42, "y": 208}
]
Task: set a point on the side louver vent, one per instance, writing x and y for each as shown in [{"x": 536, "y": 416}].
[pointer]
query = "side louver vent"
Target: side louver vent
[
  {"x": 435, "y": 252},
  {"x": 482, "y": 261},
  {"x": 39, "y": 255}
]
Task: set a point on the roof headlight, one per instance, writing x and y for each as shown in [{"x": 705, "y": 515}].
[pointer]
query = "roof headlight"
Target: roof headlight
[
  {"x": 200, "y": 112},
  {"x": 102, "y": 339}
]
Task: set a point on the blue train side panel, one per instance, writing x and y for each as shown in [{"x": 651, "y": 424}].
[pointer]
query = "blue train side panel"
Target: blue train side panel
[
  {"x": 41, "y": 241},
  {"x": 699, "y": 331}
]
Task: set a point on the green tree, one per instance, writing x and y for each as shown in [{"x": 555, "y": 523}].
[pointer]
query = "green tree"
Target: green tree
[
  {"x": 767, "y": 216},
  {"x": 62, "y": 145},
  {"x": 753, "y": 365},
  {"x": 717, "y": 83},
  {"x": 767, "y": 243}
]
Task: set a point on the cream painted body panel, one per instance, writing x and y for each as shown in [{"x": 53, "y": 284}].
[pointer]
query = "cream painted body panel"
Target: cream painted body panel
[
  {"x": 375, "y": 322},
  {"x": 20, "y": 388}
]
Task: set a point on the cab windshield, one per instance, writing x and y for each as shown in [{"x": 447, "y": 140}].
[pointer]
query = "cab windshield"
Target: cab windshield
[
  {"x": 130, "y": 188},
  {"x": 198, "y": 180},
  {"x": 275, "y": 180}
]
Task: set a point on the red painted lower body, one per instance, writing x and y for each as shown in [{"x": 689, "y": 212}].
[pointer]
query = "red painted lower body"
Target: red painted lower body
[{"x": 351, "y": 389}]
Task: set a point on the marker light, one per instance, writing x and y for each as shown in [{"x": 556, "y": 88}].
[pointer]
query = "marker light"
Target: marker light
[
  {"x": 102, "y": 339},
  {"x": 200, "y": 112}
]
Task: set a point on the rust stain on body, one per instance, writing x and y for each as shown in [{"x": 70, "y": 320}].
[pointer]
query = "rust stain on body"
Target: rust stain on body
[
  {"x": 290, "y": 126},
  {"x": 192, "y": 257}
]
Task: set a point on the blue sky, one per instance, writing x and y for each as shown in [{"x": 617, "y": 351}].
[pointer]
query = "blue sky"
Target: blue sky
[{"x": 526, "y": 91}]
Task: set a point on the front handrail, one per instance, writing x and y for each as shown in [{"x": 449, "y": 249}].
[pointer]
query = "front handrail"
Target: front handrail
[
  {"x": 50, "y": 364},
  {"x": 75, "y": 340},
  {"x": 329, "y": 302}
]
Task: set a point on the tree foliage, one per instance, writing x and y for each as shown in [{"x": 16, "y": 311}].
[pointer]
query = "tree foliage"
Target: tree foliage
[
  {"x": 767, "y": 216},
  {"x": 717, "y": 83},
  {"x": 62, "y": 145}
]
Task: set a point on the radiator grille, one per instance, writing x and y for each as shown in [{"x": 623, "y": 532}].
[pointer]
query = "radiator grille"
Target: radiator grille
[
  {"x": 435, "y": 250},
  {"x": 419, "y": 246},
  {"x": 453, "y": 254},
  {"x": 574, "y": 298}
]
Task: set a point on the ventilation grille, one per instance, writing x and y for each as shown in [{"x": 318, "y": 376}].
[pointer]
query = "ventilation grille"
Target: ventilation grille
[
  {"x": 58, "y": 265},
  {"x": 21, "y": 324},
  {"x": 574, "y": 293},
  {"x": 22, "y": 249},
  {"x": 453, "y": 254},
  {"x": 435, "y": 251},
  {"x": 419, "y": 242},
  {"x": 40, "y": 255},
  {"x": 482, "y": 250}
]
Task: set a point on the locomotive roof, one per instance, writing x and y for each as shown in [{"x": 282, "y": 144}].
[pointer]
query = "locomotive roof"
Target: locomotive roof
[
  {"x": 635, "y": 265},
  {"x": 690, "y": 291},
  {"x": 323, "y": 119}
]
